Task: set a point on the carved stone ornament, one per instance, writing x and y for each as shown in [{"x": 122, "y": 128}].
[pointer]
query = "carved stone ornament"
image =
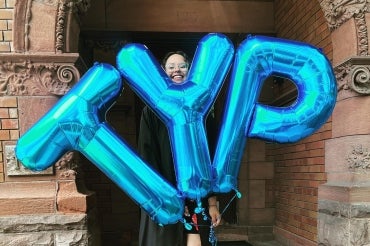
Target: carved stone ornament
[
  {"x": 34, "y": 78},
  {"x": 338, "y": 12},
  {"x": 354, "y": 74},
  {"x": 65, "y": 6},
  {"x": 67, "y": 165},
  {"x": 14, "y": 168},
  {"x": 359, "y": 158}
]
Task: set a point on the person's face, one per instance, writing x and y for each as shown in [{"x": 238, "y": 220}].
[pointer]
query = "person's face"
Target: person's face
[{"x": 176, "y": 68}]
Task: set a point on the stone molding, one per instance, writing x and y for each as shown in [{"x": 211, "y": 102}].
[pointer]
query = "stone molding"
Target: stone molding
[
  {"x": 23, "y": 19},
  {"x": 64, "y": 7},
  {"x": 354, "y": 74},
  {"x": 338, "y": 12},
  {"x": 38, "y": 75}
]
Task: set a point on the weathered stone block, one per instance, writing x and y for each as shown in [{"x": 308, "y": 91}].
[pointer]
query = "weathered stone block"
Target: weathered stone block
[
  {"x": 49, "y": 229},
  {"x": 14, "y": 167},
  {"x": 72, "y": 238},
  {"x": 343, "y": 223},
  {"x": 40, "y": 238}
]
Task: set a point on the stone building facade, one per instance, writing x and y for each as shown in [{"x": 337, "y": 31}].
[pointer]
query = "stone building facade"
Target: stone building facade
[{"x": 314, "y": 192}]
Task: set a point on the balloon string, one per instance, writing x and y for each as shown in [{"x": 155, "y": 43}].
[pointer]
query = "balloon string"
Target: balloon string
[
  {"x": 237, "y": 194},
  {"x": 212, "y": 238}
]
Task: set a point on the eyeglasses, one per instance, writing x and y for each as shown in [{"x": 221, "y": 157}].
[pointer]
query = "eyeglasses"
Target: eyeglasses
[{"x": 172, "y": 66}]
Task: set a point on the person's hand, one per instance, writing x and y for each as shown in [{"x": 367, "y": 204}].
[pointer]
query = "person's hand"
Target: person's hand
[{"x": 214, "y": 214}]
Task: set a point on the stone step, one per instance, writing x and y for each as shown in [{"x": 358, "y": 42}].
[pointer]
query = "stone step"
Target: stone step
[
  {"x": 43, "y": 197},
  {"x": 24, "y": 198}
]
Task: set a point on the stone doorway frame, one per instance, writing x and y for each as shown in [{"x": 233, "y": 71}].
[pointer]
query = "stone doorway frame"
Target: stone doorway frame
[{"x": 41, "y": 61}]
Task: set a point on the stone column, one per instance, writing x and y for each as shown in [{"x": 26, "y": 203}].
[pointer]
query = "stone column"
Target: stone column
[
  {"x": 344, "y": 201},
  {"x": 35, "y": 207},
  {"x": 50, "y": 207}
]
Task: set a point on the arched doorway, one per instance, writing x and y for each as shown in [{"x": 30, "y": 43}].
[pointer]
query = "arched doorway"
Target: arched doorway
[{"x": 103, "y": 33}]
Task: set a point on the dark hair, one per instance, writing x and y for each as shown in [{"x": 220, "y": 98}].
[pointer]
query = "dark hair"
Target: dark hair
[{"x": 179, "y": 52}]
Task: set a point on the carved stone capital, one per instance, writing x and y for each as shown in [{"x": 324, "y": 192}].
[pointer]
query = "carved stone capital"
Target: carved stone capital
[
  {"x": 338, "y": 12},
  {"x": 354, "y": 74},
  {"x": 40, "y": 75}
]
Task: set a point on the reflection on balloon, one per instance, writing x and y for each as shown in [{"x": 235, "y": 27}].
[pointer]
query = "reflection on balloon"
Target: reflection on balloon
[
  {"x": 183, "y": 107},
  {"x": 256, "y": 59},
  {"x": 75, "y": 123}
]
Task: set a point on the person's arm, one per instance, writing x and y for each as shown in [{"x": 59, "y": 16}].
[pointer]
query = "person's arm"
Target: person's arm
[{"x": 214, "y": 213}]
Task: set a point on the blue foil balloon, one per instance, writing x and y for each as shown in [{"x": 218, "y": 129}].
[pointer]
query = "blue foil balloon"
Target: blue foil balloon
[
  {"x": 77, "y": 122},
  {"x": 256, "y": 59},
  {"x": 183, "y": 107}
]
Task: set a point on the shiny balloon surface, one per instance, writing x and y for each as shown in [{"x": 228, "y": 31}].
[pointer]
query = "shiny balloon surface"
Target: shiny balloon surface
[
  {"x": 256, "y": 59},
  {"x": 183, "y": 107},
  {"x": 77, "y": 121}
]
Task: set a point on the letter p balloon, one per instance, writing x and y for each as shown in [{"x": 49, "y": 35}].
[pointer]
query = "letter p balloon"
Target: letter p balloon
[{"x": 256, "y": 59}]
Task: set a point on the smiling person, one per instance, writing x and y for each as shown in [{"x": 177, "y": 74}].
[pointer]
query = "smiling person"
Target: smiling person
[
  {"x": 176, "y": 66},
  {"x": 154, "y": 147}
]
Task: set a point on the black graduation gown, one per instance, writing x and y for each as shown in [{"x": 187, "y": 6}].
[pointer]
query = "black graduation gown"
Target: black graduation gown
[{"x": 154, "y": 147}]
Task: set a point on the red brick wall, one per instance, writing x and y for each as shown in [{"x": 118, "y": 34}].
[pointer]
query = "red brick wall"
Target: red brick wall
[
  {"x": 6, "y": 24},
  {"x": 303, "y": 21},
  {"x": 8, "y": 126},
  {"x": 300, "y": 167},
  {"x": 9, "y": 122}
]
